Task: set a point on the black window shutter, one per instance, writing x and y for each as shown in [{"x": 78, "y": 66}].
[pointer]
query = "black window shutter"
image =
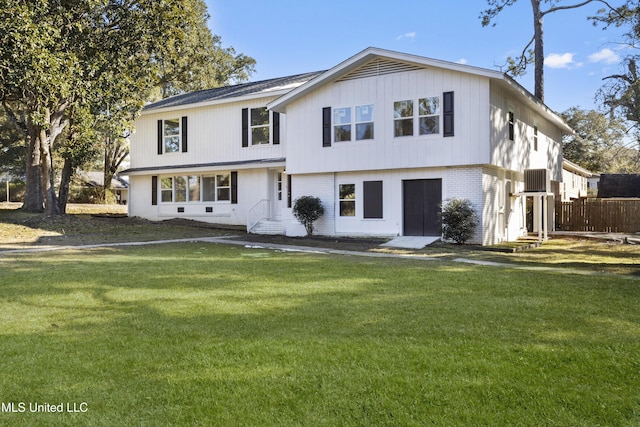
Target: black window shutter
[
  {"x": 326, "y": 127},
  {"x": 289, "y": 191},
  {"x": 245, "y": 127},
  {"x": 447, "y": 110},
  {"x": 372, "y": 199},
  {"x": 511, "y": 117},
  {"x": 184, "y": 134},
  {"x": 276, "y": 128},
  {"x": 160, "y": 137},
  {"x": 154, "y": 190},
  {"x": 234, "y": 188}
]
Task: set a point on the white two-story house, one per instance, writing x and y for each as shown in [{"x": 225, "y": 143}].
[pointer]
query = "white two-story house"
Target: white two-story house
[{"x": 383, "y": 139}]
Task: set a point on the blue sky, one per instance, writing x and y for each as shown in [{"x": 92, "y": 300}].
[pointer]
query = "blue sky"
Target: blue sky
[{"x": 288, "y": 37}]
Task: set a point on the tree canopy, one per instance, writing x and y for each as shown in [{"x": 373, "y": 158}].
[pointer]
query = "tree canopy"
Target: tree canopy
[
  {"x": 63, "y": 63},
  {"x": 600, "y": 143},
  {"x": 517, "y": 66}
]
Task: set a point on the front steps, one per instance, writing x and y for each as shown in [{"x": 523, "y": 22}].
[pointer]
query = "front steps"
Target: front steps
[{"x": 267, "y": 226}]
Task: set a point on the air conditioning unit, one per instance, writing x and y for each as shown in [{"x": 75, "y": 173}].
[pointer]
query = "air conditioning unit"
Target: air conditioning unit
[{"x": 537, "y": 181}]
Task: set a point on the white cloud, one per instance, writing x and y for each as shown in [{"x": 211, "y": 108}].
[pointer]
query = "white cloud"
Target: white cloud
[
  {"x": 559, "y": 60},
  {"x": 462, "y": 61},
  {"x": 605, "y": 55},
  {"x": 412, "y": 35}
]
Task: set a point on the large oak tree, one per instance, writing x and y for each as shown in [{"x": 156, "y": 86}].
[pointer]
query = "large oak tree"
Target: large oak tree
[{"x": 64, "y": 63}]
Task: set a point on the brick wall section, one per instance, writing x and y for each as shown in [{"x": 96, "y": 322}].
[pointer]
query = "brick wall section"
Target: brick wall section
[
  {"x": 322, "y": 186},
  {"x": 466, "y": 183}
]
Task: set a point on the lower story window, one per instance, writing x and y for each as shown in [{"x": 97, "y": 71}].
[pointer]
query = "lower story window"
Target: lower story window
[
  {"x": 195, "y": 188},
  {"x": 216, "y": 188},
  {"x": 347, "y": 199},
  {"x": 166, "y": 189}
]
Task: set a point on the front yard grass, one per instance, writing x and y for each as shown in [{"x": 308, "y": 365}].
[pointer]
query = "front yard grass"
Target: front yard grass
[{"x": 204, "y": 334}]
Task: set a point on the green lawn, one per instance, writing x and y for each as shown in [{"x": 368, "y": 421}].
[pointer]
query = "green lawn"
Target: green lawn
[{"x": 203, "y": 334}]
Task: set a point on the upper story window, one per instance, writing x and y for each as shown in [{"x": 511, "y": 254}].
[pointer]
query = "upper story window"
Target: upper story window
[
  {"x": 403, "y": 118},
  {"x": 172, "y": 135},
  {"x": 535, "y": 138},
  {"x": 427, "y": 116},
  {"x": 260, "y": 127},
  {"x": 364, "y": 122},
  {"x": 344, "y": 122}
]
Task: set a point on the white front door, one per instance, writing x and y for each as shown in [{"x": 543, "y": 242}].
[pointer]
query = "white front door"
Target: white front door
[{"x": 279, "y": 193}]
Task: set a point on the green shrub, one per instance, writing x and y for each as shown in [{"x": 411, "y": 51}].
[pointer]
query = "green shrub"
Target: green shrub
[
  {"x": 459, "y": 220},
  {"x": 307, "y": 209}
]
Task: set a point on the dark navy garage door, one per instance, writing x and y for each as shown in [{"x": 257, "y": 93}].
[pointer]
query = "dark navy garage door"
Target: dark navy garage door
[{"x": 421, "y": 200}]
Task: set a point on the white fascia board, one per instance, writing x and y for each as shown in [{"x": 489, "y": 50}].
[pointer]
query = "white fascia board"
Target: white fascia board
[
  {"x": 200, "y": 168},
  {"x": 536, "y": 104},
  {"x": 365, "y": 56},
  {"x": 251, "y": 97},
  {"x": 573, "y": 168}
]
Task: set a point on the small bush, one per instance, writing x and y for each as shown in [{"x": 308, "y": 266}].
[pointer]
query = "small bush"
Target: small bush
[
  {"x": 459, "y": 220},
  {"x": 307, "y": 209}
]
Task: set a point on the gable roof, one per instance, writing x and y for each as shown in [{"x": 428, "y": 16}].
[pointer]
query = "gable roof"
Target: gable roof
[
  {"x": 375, "y": 61},
  {"x": 276, "y": 86}
]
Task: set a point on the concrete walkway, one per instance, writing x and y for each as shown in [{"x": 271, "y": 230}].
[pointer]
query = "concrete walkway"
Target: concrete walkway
[{"x": 230, "y": 240}]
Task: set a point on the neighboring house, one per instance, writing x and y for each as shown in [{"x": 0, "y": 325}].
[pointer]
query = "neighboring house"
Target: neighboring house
[
  {"x": 574, "y": 181},
  {"x": 119, "y": 185},
  {"x": 383, "y": 139},
  {"x": 592, "y": 184}
]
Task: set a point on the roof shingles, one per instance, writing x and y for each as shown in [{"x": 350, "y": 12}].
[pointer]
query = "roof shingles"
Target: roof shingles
[{"x": 235, "y": 91}]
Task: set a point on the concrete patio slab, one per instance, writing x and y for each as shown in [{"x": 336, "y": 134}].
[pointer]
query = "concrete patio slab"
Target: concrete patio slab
[{"x": 411, "y": 242}]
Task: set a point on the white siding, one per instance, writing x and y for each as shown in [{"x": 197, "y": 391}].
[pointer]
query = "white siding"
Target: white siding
[
  {"x": 519, "y": 154},
  {"x": 464, "y": 182},
  {"x": 214, "y": 135},
  {"x": 470, "y": 145},
  {"x": 253, "y": 186}
]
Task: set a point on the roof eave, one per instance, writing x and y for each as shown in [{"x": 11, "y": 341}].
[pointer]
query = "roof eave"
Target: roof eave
[
  {"x": 243, "y": 98},
  {"x": 537, "y": 104}
]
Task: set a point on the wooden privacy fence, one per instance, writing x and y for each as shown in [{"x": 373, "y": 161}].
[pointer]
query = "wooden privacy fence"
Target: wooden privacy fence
[{"x": 607, "y": 215}]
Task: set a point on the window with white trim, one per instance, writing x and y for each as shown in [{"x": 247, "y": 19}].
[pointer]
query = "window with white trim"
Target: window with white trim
[
  {"x": 195, "y": 188},
  {"x": 342, "y": 124},
  {"x": 172, "y": 135},
  {"x": 345, "y": 119},
  {"x": 259, "y": 126},
  {"x": 216, "y": 188},
  {"x": 347, "y": 195},
  {"x": 427, "y": 116},
  {"x": 403, "y": 118},
  {"x": 364, "y": 122}
]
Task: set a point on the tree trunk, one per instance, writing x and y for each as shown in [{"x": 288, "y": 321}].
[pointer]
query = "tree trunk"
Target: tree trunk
[
  {"x": 47, "y": 176},
  {"x": 65, "y": 181},
  {"x": 33, "y": 201},
  {"x": 538, "y": 50}
]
